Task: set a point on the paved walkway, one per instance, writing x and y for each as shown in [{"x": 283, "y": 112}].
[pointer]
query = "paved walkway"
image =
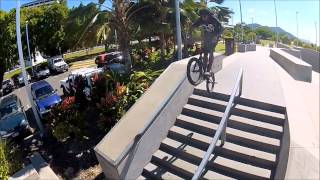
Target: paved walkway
[
  {"x": 266, "y": 81},
  {"x": 260, "y": 79}
]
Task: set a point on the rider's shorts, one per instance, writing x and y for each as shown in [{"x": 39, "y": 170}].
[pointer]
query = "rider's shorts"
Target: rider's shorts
[{"x": 209, "y": 44}]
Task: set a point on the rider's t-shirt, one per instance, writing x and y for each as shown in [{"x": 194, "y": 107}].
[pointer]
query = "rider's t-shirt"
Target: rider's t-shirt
[
  {"x": 211, "y": 31},
  {"x": 212, "y": 25}
]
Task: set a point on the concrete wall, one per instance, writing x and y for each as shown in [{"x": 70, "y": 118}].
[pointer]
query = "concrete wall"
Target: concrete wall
[
  {"x": 297, "y": 68},
  {"x": 282, "y": 158}
]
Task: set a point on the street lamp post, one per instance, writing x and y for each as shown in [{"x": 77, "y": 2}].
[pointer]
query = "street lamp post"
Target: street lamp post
[
  {"x": 297, "y": 28},
  {"x": 241, "y": 21},
  {"x": 23, "y": 68},
  {"x": 315, "y": 25},
  {"x": 28, "y": 45},
  {"x": 178, "y": 25},
  {"x": 275, "y": 10}
]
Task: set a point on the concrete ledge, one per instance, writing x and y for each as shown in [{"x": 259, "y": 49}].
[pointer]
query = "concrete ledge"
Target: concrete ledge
[
  {"x": 297, "y": 68},
  {"x": 27, "y": 173}
]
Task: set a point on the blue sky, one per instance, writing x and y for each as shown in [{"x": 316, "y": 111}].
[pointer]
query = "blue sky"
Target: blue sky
[{"x": 262, "y": 12}]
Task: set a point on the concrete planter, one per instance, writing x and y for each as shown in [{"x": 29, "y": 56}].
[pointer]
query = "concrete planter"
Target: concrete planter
[
  {"x": 246, "y": 47},
  {"x": 241, "y": 48},
  {"x": 250, "y": 47}
]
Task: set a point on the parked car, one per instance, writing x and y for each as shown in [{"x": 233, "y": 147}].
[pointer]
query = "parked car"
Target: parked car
[
  {"x": 13, "y": 121},
  {"x": 19, "y": 80},
  {"x": 44, "y": 97},
  {"x": 68, "y": 83},
  {"x": 57, "y": 64},
  {"x": 106, "y": 59},
  {"x": 41, "y": 71},
  {"x": 7, "y": 86}
]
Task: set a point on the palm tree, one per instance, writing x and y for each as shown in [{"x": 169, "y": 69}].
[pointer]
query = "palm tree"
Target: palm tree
[
  {"x": 223, "y": 14},
  {"x": 120, "y": 18}
]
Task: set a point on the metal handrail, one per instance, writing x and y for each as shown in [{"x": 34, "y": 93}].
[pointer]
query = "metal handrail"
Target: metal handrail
[{"x": 221, "y": 131}]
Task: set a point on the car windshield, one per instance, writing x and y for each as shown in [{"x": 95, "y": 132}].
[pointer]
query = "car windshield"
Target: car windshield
[
  {"x": 41, "y": 68},
  {"x": 8, "y": 109},
  {"x": 57, "y": 60},
  {"x": 44, "y": 91},
  {"x": 10, "y": 122}
]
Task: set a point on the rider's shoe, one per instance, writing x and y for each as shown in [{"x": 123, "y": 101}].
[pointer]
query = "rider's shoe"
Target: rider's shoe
[{"x": 207, "y": 74}]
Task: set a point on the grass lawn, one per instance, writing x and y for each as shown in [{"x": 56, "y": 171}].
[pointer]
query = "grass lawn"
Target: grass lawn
[
  {"x": 12, "y": 73},
  {"x": 79, "y": 54},
  {"x": 265, "y": 42},
  {"x": 220, "y": 48}
]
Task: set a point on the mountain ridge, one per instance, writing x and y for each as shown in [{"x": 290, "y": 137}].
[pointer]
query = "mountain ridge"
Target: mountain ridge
[{"x": 273, "y": 29}]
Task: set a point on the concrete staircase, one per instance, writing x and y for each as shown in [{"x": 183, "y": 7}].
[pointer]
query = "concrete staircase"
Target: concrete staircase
[{"x": 255, "y": 135}]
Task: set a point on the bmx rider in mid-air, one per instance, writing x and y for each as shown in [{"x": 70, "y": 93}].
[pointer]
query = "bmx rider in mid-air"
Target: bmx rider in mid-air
[{"x": 211, "y": 31}]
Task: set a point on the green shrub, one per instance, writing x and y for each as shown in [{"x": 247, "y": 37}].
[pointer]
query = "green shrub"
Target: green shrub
[
  {"x": 67, "y": 120},
  {"x": 10, "y": 159},
  {"x": 4, "y": 164}
]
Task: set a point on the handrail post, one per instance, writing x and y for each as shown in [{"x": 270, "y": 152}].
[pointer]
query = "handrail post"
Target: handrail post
[
  {"x": 224, "y": 134},
  {"x": 240, "y": 86}
]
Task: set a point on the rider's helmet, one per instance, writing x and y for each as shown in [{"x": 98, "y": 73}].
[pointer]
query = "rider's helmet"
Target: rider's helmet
[{"x": 204, "y": 12}]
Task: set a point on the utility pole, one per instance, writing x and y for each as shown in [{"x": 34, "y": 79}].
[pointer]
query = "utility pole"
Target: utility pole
[
  {"x": 297, "y": 29},
  {"x": 241, "y": 21},
  {"x": 275, "y": 10},
  {"x": 178, "y": 26},
  {"x": 23, "y": 68}
]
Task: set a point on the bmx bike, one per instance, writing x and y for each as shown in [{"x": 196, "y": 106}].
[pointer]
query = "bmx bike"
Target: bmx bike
[{"x": 196, "y": 69}]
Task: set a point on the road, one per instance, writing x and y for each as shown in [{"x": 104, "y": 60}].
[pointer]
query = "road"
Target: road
[{"x": 54, "y": 81}]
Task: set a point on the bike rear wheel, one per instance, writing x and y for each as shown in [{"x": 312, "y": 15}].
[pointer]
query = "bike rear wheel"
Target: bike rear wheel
[
  {"x": 210, "y": 81},
  {"x": 194, "y": 71}
]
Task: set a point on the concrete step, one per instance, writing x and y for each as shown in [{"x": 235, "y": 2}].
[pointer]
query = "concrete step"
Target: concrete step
[
  {"x": 241, "y": 111},
  {"x": 244, "y": 155},
  {"x": 152, "y": 171},
  {"x": 220, "y": 105},
  {"x": 28, "y": 172},
  {"x": 241, "y": 101},
  {"x": 43, "y": 168},
  {"x": 250, "y": 141},
  {"x": 213, "y": 170},
  {"x": 236, "y": 122},
  {"x": 190, "y": 121},
  {"x": 171, "y": 164},
  {"x": 174, "y": 148}
]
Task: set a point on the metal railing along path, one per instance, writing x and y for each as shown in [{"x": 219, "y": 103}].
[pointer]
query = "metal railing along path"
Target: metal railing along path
[{"x": 221, "y": 131}]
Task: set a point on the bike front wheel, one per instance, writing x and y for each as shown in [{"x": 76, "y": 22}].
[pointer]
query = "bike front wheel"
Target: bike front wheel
[
  {"x": 194, "y": 71},
  {"x": 210, "y": 83}
]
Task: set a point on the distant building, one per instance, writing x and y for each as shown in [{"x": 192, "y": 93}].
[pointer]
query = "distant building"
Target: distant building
[{"x": 39, "y": 3}]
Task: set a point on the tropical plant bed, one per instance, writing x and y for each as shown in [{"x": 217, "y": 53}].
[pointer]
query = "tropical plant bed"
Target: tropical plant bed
[{"x": 76, "y": 126}]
